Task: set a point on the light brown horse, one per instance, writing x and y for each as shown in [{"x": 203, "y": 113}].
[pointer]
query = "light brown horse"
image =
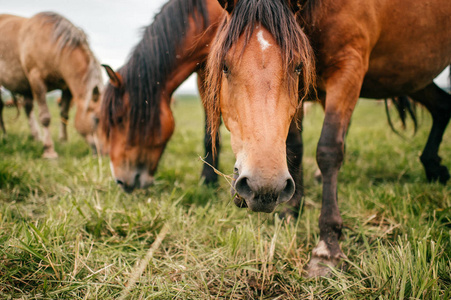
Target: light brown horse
[
  {"x": 136, "y": 116},
  {"x": 372, "y": 49},
  {"x": 44, "y": 53}
]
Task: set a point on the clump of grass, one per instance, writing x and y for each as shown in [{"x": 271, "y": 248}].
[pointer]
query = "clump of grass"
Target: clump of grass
[{"x": 68, "y": 232}]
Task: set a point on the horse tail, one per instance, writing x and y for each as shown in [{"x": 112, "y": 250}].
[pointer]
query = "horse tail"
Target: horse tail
[{"x": 405, "y": 107}]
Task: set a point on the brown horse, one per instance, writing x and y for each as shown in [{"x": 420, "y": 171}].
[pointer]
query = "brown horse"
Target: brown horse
[
  {"x": 275, "y": 72},
  {"x": 44, "y": 53},
  {"x": 136, "y": 116},
  {"x": 371, "y": 49}
]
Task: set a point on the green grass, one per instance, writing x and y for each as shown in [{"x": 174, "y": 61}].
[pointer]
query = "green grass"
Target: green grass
[{"x": 68, "y": 232}]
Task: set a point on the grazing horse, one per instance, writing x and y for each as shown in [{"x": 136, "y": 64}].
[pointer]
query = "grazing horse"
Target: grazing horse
[
  {"x": 136, "y": 116},
  {"x": 44, "y": 53},
  {"x": 372, "y": 49}
]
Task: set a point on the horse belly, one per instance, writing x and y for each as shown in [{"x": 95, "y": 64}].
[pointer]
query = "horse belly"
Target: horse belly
[
  {"x": 13, "y": 78},
  {"x": 397, "y": 77},
  {"x": 414, "y": 46}
]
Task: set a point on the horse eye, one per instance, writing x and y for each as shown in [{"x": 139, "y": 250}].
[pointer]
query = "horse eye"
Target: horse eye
[
  {"x": 225, "y": 69},
  {"x": 298, "y": 69}
]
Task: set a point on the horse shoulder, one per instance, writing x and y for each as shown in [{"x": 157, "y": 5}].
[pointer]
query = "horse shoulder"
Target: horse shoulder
[{"x": 345, "y": 35}]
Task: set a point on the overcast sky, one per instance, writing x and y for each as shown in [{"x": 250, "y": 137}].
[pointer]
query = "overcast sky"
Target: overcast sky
[{"x": 113, "y": 26}]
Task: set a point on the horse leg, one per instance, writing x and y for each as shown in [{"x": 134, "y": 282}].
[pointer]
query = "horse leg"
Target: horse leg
[
  {"x": 2, "y": 125},
  {"x": 343, "y": 89},
  {"x": 211, "y": 160},
  {"x": 438, "y": 102},
  {"x": 39, "y": 94},
  {"x": 34, "y": 127},
  {"x": 317, "y": 175},
  {"x": 295, "y": 151},
  {"x": 66, "y": 98}
]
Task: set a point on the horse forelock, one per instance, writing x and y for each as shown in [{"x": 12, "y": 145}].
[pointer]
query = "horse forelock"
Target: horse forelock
[
  {"x": 276, "y": 17},
  {"x": 149, "y": 66}
]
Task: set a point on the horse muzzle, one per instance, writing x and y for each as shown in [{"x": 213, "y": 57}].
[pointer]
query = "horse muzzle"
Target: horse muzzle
[
  {"x": 261, "y": 194},
  {"x": 135, "y": 180}
]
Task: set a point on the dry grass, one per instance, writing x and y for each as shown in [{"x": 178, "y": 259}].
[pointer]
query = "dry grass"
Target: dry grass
[{"x": 67, "y": 231}]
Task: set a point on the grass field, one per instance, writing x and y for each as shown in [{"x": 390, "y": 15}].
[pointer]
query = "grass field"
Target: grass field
[{"x": 68, "y": 232}]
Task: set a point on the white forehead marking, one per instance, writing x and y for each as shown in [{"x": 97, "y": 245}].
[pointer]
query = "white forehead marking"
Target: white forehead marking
[{"x": 264, "y": 43}]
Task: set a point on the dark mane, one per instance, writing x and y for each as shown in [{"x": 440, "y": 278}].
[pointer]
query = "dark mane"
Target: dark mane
[
  {"x": 280, "y": 21},
  {"x": 65, "y": 34},
  {"x": 148, "y": 67},
  {"x": 311, "y": 11}
]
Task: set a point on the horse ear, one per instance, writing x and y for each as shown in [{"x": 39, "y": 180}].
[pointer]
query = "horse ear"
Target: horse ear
[
  {"x": 295, "y": 5},
  {"x": 228, "y": 5},
  {"x": 115, "y": 78}
]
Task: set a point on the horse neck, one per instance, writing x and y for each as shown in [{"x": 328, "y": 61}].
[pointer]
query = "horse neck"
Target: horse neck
[
  {"x": 81, "y": 74},
  {"x": 194, "y": 49}
]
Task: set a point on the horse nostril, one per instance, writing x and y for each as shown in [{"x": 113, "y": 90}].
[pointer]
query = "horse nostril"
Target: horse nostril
[
  {"x": 119, "y": 182},
  {"x": 243, "y": 189},
  {"x": 287, "y": 191}
]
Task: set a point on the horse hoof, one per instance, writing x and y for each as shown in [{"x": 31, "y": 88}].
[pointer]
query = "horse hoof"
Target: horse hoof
[
  {"x": 323, "y": 260},
  {"x": 444, "y": 175},
  {"x": 440, "y": 174},
  {"x": 50, "y": 155},
  {"x": 318, "y": 176},
  {"x": 321, "y": 266}
]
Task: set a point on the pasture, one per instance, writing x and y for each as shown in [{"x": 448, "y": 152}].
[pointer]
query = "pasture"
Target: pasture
[{"x": 67, "y": 231}]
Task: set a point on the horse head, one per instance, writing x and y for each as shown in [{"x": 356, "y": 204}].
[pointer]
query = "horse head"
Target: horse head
[
  {"x": 134, "y": 148},
  {"x": 87, "y": 117},
  {"x": 254, "y": 70}
]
